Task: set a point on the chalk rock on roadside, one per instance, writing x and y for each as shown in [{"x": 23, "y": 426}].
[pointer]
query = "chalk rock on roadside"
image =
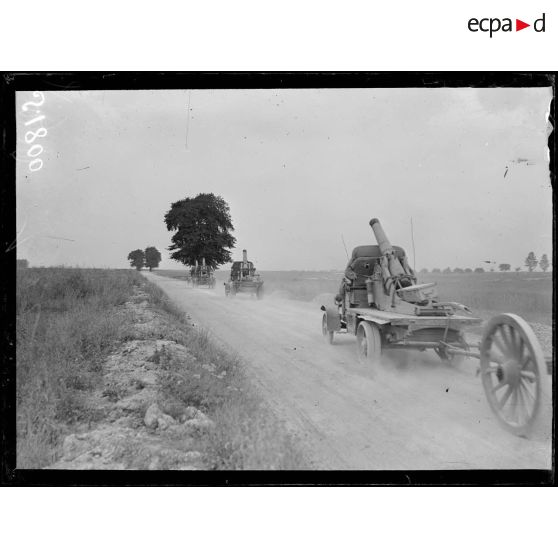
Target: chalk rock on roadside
[
  {"x": 191, "y": 413},
  {"x": 73, "y": 447},
  {"x": 198, "y": 425},
  {"x": 155, "y": 418},
  {"x": 136, "y": 402}
]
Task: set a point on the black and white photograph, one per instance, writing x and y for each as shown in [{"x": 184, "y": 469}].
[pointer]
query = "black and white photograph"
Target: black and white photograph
[{"x": 257, "y": 277}]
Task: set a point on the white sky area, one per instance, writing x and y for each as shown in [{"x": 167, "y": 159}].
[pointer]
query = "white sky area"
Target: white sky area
[{"x": 299, "y": 169}]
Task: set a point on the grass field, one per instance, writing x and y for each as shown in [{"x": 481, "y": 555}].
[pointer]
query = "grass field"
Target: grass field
[{"x": 526, "y": 294}]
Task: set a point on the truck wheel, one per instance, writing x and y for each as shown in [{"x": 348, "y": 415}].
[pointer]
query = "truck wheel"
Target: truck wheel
[
  {"x": 328, "y": 335},
  {"x": 369, "y": 343}
]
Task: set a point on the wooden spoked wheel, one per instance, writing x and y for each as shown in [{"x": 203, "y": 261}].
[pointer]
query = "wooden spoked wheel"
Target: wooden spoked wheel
[
  {"x": 328, "y": 335},
  {"x": 511, "y": 364}
]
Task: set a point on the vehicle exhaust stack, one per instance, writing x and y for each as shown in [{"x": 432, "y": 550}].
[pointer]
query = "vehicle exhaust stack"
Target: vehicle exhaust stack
[{"x": 244, "y": 257}]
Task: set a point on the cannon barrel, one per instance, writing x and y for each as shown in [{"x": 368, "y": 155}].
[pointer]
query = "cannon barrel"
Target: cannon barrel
[
  {"x": 383, "y": 242},
  {"x": 386, "y": 249}
]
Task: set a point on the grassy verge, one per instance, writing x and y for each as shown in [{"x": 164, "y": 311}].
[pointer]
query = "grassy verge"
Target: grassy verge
[
  {"x": 66, "y": 323},
  {"x": 69, "y": 320}
]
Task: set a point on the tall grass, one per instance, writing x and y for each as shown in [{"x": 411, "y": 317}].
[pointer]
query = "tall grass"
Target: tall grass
[{"x": 65, "y": 324}]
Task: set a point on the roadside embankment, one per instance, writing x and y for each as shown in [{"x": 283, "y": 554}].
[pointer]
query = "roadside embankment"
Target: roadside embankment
[{"x": 153, "y": 392}]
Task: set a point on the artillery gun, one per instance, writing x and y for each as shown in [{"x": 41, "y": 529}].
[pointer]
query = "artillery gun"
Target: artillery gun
[
  {"x": 381, "y": 302},
  {"x": 244, "y": 279},
  {"x": 202, "y": 275}
]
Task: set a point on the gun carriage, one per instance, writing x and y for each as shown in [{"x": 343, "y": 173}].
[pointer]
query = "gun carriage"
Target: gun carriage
[
  {"x": 244, "y": 279},
  {"x": 381, "y": 302}
]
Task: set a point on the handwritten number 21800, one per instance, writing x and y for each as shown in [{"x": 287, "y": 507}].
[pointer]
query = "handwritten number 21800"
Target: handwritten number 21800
[{"x": 31, "y": 136}]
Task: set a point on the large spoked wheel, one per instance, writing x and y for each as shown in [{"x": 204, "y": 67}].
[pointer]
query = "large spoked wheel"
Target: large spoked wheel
[
  {"x": 369, "y": 343},
  {"x": 328, "y": 335},
  {"x": 511, "y": 363}
]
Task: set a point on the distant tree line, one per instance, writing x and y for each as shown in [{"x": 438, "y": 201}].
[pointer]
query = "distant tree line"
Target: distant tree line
[
  {"x": 150, "y": 257},
  {"x": 531, "y": 263}
]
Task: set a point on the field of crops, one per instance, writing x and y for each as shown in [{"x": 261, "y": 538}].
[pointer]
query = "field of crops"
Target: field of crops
[{"x": 526, "y": 294}]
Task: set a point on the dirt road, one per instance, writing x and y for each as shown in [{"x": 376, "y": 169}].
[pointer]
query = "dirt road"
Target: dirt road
[{"x": 421, "y": 416}]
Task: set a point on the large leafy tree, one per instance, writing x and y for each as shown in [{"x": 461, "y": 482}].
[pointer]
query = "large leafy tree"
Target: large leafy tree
[
  {"x": 137, "y": 259},
  {"x": 531, "y": 261},
  {"x": 544, "y": 263},
  {"x": 202, "y": 228},
  {"x": 152, "y": 257}
]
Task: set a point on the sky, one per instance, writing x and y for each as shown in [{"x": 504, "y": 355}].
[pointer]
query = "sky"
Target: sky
[{"x": 302, "y": 170}]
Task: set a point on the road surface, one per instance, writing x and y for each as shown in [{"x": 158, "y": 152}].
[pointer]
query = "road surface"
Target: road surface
[{"x": 420, "y": 416}]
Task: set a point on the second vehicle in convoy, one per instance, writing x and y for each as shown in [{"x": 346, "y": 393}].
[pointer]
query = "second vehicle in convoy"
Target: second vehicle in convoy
[
  {"x": 244, "y": 279},
  {"x": 202, "y": 275}
]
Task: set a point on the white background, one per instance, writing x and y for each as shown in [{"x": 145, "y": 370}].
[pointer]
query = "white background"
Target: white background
[
  {"x": 279, "y": 35},
  {"x": 285, "y": 35}
]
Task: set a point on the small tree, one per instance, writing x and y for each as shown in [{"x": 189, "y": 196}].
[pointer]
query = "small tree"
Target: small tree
[
  {"x": 517, "y": 269},
  {"x": 479, "y": 269},
  {"x": 468, "y": 270},
  {"x": 137, "y": 259},
  {"x": 423, "y": 270},
  {"x": 436, "y": 270},
  {"x": 22, "y": 264},
  {"x": 504, "y": 267},
  {"x": 531, "y": 261},
  {"x": 152, "y": 257},
  {"x": 447, "y": 270},
  {"x": 202, "y": 228},
  {"x": 544, "y": 263}
]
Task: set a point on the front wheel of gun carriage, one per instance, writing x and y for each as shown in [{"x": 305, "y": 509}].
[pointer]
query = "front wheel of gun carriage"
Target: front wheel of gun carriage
[
  {"x": 369, "y": 343},
  {"x": 511, "y": 365}
]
